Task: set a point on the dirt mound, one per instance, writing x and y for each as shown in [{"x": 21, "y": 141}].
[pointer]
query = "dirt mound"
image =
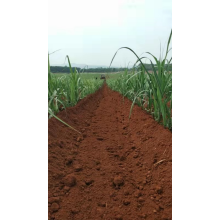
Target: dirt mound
[{"x": 117, "y": 169}]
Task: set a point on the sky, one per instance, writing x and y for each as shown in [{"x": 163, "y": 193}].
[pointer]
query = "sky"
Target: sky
[{"x": 91, "y": 31}]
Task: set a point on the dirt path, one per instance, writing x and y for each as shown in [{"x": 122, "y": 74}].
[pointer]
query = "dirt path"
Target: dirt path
[{"x": 118, "y": 169}]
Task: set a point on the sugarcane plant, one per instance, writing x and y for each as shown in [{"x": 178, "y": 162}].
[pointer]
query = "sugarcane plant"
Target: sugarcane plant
[
  {"x": 54, "y": 97},
  {"x": 151, "y": 90}
]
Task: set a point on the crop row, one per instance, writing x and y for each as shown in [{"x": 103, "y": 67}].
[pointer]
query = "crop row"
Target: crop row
[
  {"x": 150, "y": 90},
  {"x": 65, "y": 91}
]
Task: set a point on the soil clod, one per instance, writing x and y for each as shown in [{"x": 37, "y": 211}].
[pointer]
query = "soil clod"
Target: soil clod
[
  {"x": 78, "y": 168},
  {"x": 118, "y": 181},
  {"x": 70, "y": 180},
  {"x": 54, "y": 207}
]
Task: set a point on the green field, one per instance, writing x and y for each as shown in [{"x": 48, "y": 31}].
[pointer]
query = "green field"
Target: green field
[
  {"x": 151, "y": 90},
  {"x": 92, "y": 75}
]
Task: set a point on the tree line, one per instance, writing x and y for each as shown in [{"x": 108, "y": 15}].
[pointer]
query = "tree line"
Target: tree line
[
  {"x": 65, "y": 69},
  {"x": 149, "y": 67}
]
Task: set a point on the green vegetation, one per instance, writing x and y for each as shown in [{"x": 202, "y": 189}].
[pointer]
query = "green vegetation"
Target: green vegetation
[
  {"x": 149, "y": 67},
  {"x": 66, "y": 90},
  {"x": 152, "y": 91},
  {"x": 88, "y": 76},
  {"x": 148, "y": 85},
  {"x": 61, "y": 69},
  {"x": 65, "y": 69}
]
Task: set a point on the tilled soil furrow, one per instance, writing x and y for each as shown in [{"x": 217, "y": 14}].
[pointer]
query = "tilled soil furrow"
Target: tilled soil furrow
[{"x": 117, "y": 169}]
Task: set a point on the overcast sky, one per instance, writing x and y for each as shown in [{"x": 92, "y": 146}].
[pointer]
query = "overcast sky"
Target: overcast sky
[{"x": 91, "y": 31}]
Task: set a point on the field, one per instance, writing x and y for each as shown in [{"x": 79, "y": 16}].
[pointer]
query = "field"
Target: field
[
  {"x": 110, "y": 145},
  {"x": 92, "y": 75}
]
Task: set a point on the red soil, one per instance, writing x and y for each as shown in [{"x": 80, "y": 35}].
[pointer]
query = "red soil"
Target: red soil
[{"x": 117, "y": 169}]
